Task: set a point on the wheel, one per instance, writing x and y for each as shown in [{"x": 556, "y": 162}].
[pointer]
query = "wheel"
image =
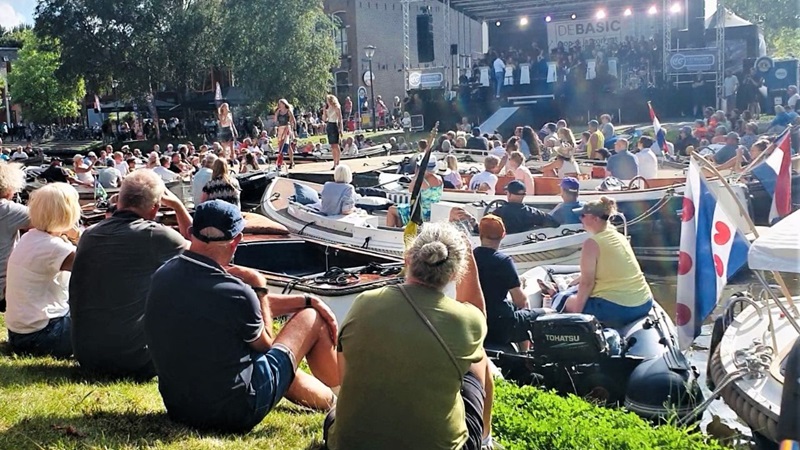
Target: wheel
[
  {"x": 493, "y": 205},
  {"x": 637, "y": 178}
]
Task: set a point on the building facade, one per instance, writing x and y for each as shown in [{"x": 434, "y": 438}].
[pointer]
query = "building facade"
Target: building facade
[{"x": 362, "y": 23}]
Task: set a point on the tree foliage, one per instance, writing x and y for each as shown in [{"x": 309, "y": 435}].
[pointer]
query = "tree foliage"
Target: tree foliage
[
  {"x": 772, "y": 17},
  {"x": 12, "y": 37},
  {"x": 33, "y": 85},
  {"x": 786, "y": 43}
]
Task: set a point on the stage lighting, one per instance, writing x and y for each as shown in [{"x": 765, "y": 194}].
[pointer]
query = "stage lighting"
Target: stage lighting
[
  {"x": 573, "y": 16},
  {"x": 497, "y": 24},
  {"x": 523, "y": 21},
  {"x": 627, "y": 12},
  {"x": 548, "y": 19},
  {"x": 601, "y": 14},
  {"x": 653, "y": 10},
  {"x": 675, "y": 8}
]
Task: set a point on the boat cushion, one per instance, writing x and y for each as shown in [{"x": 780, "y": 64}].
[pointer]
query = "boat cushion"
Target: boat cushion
[
  {"x": 371, "y": 204},
  {"x": 305, "y": 195},
  {"x": 258, "y": 224}
]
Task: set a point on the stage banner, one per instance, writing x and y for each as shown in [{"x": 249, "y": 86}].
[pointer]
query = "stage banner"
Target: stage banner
[
  {"x": 692, "y": 61},
  {"x": 603, "y": 31},
  {"x": 426, "y": 78}
]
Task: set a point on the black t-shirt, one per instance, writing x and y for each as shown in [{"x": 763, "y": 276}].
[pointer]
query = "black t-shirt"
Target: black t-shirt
[
  {"x": 174, "y": 168},
  {"x": 498, "y": 275},
  {"x": 478, "y": 143},
  {"x": 55, "y": 174},
  {"x": 108, "y": 288},
  {"x": 199, "y": 323},
  {"x": 519, "y": 218}
]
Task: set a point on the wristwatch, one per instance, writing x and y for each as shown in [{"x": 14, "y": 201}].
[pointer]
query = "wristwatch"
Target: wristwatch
[{"x": 260, "y": 290}]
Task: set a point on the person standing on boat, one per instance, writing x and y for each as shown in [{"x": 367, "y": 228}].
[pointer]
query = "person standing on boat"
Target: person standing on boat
[
  {"x": 287, "y": 125},
  {"x": 334, "y": 126},
  {"x": 564, "y": 212},
  {"x": 611, "y": 285},
  {"x": 111, "y": 278},
  {"x": 227, "y": 130},
  {"x": 414, "y": 373},
  {"x": 209, "y": 328},
  {"x": 14, "y": 217}
]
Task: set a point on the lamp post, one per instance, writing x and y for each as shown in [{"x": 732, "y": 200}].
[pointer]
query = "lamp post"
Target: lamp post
[
  {"x": 6, "y": 94},
  {"x": 114, "y": 84},
  {"x": 370, "y": 52}
]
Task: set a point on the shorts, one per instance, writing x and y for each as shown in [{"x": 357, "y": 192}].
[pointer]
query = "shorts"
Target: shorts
[
  {"x": 273, "y": 373},
  {"x": 513, "y": 329},
  {"x": 614, "y": 315},
  {"x": 333, "y": 132},
  {"x": 226, "y": 134},
  {"x": 474, "y": 397},
  {"x": 54, "y": 339}
]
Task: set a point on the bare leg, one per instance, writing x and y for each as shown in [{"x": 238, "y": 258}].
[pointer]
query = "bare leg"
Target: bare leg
[
  {"x": 337, "y": 154},
  {"x": 569, "y": 305},
  {"x": 392, "y": 218}
]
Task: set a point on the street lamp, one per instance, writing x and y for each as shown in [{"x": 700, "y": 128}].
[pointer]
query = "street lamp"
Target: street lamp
[
  {"x": 6, "y": 93},
  {"x": 370, "y": 52},
  {"x": 114, "y": 84}
]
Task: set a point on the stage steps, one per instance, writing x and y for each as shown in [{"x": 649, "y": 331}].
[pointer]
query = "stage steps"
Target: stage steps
[
  {"x": 529, "y": 99},
  {"x": 496, "y": 120}
]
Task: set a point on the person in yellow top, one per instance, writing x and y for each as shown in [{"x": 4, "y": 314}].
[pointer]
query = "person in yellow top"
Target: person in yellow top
[
  {"x": 611, "y": 286},
  {"x": 596, "y": 140}
]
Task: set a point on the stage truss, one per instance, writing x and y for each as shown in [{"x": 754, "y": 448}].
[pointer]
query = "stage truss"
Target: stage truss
[{"x": 406, "y": 5}]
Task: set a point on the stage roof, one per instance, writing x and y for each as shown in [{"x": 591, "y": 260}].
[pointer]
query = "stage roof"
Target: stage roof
[{"x": 492, "y": 10}]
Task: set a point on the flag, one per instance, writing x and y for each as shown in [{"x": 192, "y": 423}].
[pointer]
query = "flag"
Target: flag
[
  {"x": 412, "y": 227},
  {"x": 775, "y": 174},
  {"x": 97, "y": 104},
  {"x": 99, "y": 191},
  {"x": 712, "y": 250},
  {"x": 661, "y": 135},
  {"x": 218, "y": 93}
]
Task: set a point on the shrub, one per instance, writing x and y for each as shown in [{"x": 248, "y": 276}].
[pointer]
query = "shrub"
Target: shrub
[{"x": 530, "y": 419}]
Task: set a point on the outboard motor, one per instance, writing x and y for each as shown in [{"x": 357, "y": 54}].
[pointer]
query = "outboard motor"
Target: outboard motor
[{"x": 574, "y": 338}]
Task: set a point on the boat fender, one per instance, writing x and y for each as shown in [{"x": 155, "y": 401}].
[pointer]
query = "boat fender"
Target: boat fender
[{"x": 789, "y": 420}]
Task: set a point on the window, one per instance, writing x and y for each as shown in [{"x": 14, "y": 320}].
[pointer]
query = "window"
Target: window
[{"x": 340, "y": 34}]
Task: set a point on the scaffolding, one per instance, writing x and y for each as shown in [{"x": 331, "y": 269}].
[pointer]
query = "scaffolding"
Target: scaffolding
[
  {"x": 406, "y": 6},
  {"x": 722, "y": 15}
]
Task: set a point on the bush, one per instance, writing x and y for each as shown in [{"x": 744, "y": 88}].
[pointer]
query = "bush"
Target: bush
[{"x": 530, "y": 419}]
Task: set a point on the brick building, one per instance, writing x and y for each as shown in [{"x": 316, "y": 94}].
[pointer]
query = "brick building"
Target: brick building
[
  {"x": 380, "y": 23},
  {"x": 7, "y": 56}
]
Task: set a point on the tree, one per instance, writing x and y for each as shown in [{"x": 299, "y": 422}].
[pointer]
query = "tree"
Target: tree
[
  {"x": 12, "y": 37},
  {"x": 772, "y": 17},
  {"x": 786, "y": 43},
  {"x": 283, "y": 50},
  {"x": 33, "y": 85}
]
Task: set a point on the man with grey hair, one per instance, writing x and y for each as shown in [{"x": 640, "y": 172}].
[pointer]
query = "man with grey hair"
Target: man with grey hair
[
  {"x": 202, "y": 177},
  {"x": 111, "y": 277},
  {"x": 793, "y": 97},
  {"x": 15, "y": 218}
]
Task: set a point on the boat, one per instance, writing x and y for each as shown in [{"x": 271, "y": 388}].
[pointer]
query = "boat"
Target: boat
[
  {"x": 335, "y": 273},
  {"x": 750, "y": 346},
  {"x": 326, "y": 155},
  {"x": 253, "y": 184},
  {"x": 360, "y": 229},
  {"x": 637, "y": 366}
]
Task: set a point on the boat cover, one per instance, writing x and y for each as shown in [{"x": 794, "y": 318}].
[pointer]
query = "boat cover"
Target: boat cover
[{"x": 779, "y": 247}]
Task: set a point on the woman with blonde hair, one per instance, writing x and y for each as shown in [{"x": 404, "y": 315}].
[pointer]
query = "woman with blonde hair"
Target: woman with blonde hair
[
  {"x": 566, "y": 137},
  {"x": 564, "y": 164},
  {"x": 611, "y": 285},
  {"x": 517, "y": 169},
  {"x": 227, "y": 130},
  {"x": 222, "y": 185},
  {"x": 287, "y": 124},
  {"x": 37, "y": 284},
  {"x": 334, "y": 126},
  {"x": 13, "y": 217},
  {"x": 453, "y": 176}
]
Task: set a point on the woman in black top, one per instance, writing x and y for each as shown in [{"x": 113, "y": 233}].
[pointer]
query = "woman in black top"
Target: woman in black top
[
  {"x": 227, "y": 131},
  {"x": 284, "y": 115}
]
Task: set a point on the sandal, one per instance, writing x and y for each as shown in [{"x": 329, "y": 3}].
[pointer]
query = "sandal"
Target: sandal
[{"x": 547, "y": 287}]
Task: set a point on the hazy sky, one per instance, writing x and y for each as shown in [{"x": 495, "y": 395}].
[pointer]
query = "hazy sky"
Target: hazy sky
[{"x": 14, "y": 12}]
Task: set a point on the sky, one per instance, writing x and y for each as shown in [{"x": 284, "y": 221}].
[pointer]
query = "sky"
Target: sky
[{"x": 15, "y": 12}]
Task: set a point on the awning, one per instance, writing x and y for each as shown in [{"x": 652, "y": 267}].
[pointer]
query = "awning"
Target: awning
[{"x": 779, "y": 248}]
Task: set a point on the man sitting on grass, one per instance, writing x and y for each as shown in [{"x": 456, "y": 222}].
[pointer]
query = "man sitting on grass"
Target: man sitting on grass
[{"x": 209, "y": 329}]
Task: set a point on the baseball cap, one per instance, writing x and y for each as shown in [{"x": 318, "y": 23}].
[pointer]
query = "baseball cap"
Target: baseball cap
[
  {"x": 594, "y": 123},
  {"x": 217, "y": 221},
  {"x": 491, "y": 227},
  {"x": 570, "y": 184},
  {"x": 91, "y": 154},
  {"x": 516, "y": 187},
  {"x": 733, "y": 135}
]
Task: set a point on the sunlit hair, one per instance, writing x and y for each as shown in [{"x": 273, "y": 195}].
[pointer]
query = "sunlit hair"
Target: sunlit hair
[
  {"x": 12, "y": 178},
  {"x": 603, "y": 208},
  {"x": 517, "y": 157},
  {"x": 565, "y": 134},
  {"x": 286, "y": 104},
  {"x": 490, "y": 162},
  {"x": 343, "y": 174},
  {"x": 438, "y": 255},
  {"x": 452, "y": 162},
  {"x": 332, "y": 100},
  {"x": 220, "y": 170},
  {"x": 54, "y": 208},
  {"x": 142, "y": 189}
]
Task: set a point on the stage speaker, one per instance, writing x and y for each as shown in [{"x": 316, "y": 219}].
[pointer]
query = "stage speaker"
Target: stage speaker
[
  {"x": 695, "y": 15},
  {"x": 453, "y": 49},
  {"x": 425, "y": 38}
]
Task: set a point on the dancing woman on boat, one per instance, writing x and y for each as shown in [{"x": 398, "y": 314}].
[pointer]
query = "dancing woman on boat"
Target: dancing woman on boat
[
  {"x": 287, "y": 125},
  {"x": 227, "y": 131},
  {"x": 334, "y": 126}
]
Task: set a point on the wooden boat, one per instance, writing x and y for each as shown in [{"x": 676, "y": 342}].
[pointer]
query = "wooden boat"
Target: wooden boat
[
  {"x": 744, "y": 343},
  {"x": 544, "y": 246},
  {"x": 326, "y": 155}
]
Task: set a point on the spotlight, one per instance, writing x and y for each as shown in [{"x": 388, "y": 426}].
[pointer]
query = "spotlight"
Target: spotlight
[
  {"x": 675, "y": 8},
  {"x": 497, "y": 24},
  {"x": 523, "y": 21},
  {"x": 601, "y": 14},
  {"x": 548, "y": 19},
  {"x": 627, "y": 12},
  {"x": 573, "y": 16},
  {"x": 653, "y": 10}
]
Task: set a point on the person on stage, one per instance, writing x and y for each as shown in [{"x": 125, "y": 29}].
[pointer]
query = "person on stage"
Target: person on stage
[
  {"x": 334, "y": 126},
  {"x": 227, "y": 131},
  {"x": 287, "y": 125}
]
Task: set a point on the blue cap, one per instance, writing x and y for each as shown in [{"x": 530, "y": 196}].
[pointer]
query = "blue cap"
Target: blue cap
[
  {"x": 516, "y": 187},
  {"x": 570, "y": 184},
  {"x": 217, "y": 215}
]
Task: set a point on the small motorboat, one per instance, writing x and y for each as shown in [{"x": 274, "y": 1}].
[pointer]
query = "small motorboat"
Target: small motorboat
[
  {"x": 638, "y": 365},
  {"x": 337, "y": 274},
  {"x": 367, "y": 230},
  {"x": 325, "y": 154},
  {"x": 253, "y": 184},
  {"x": 750, "y": 346}
]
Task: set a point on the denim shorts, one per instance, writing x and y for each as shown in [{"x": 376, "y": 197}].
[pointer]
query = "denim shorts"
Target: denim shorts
[
  {"x": 614, "y": 315},
  {"x": 54, "y": 339},
  {"x": 273, "y": 373}
]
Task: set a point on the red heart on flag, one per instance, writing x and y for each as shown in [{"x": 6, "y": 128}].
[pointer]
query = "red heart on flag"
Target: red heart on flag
[{"x": 723, "y": 233}]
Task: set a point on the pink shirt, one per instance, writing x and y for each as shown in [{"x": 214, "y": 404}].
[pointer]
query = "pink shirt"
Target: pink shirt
[{"x": 523, "y": 174}]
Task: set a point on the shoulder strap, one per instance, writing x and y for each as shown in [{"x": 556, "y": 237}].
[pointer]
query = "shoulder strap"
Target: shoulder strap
[{"x": 433, "y": 330}]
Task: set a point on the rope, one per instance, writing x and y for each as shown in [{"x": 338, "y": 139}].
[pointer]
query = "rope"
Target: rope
[
  {"x": 653, "y": 209},
  {"x": 338, "y": 277},
  {"x": 304, "y": 227}
]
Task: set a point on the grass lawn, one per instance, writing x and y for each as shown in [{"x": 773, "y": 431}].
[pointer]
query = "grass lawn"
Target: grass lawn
[{"x": 48, "y": 404}]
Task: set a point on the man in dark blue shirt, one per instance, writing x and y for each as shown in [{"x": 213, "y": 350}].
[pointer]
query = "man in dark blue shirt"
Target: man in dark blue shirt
[
  {"x": 518, "y": 217},
  {"x": 728, "y": 151},
  {"x": 508, "y": 321},
  {"x": 622, "y": 165},
  {"x": 209, "y": 329},
  {"x": 564, "y": 212}
]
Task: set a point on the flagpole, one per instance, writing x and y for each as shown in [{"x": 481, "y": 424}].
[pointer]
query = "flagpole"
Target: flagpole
[
  {"x": 743, "y": 212},
  {"x": 755, "y": 162}
]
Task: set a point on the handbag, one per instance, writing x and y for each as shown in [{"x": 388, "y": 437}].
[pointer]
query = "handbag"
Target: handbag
[{"x": 430, "y": 326}]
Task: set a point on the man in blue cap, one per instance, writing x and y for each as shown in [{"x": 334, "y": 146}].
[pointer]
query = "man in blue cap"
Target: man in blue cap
[
  {"x": 563, "y": 212},
  {"x": 209, "y": 328}
]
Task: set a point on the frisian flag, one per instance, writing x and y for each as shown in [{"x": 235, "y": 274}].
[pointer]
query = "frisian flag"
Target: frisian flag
[
  {"x": 775, "y": 174},
  {"x": 661, "y": 135},
  {"x": 712, "y": 250}
]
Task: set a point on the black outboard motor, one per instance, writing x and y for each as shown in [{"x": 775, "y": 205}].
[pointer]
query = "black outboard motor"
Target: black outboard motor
[
  {"x": 789, "y": 420},
  {"x": 577, "y": 338}
]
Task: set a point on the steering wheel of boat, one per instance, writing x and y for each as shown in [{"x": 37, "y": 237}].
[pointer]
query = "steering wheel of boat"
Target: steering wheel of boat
[
  {"x": 638, "y": 178},
  {"x": 494, "y": 204}
]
